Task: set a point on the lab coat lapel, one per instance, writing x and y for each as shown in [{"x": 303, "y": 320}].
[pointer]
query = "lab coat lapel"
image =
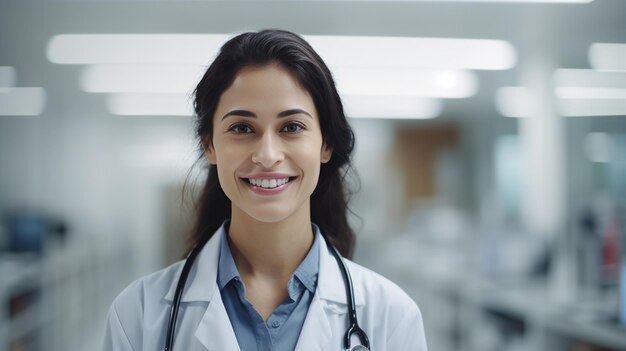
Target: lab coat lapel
[
  {"x": 316, "y": 332},
  {"x": 330, "y": 284},
  {"x": 215, "y": 331},
  {"x": 202, "y": 279}
]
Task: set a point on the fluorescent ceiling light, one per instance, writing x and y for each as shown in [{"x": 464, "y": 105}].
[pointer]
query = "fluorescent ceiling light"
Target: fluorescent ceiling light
[
  {"x": 362, "y": 51},
  {"x": 132, "y": 104},
  {"x": 589, "y": 78},
  {"x": 352, "y": 51},
  {"x": 7, "y": 76},
  {"x": 518, "y": 102},
  {"x": 149, "y": 104},
  {"x": 590, "y": 93},
  {"x": 587, "y": 107},
  {"x": 405, "y": 82},
  {"x": 134, "y": 48},
  {"x": 585, "y": 92},
  {"x": 350, "y": 81},
  {"x": 141, "y": 78},
  {"x": 514, "y": 102},
  {"x": 22, "y": 101},
  {"x": 608, "y": 56},
  {"x": 399, "y": 107}
]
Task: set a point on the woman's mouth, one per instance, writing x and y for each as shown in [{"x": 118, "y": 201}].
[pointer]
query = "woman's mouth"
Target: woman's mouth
[
  {"x": 268, "y": 183},
  {"x": 268, "y": 186}
]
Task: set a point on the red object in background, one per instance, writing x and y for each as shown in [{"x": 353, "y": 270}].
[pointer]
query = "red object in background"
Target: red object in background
[{"x": 610, "y": 251}]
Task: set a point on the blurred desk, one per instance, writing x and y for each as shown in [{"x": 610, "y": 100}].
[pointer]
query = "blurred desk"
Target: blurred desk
[
  {"x": 468, "y": 311},
  {"x": 58, "y": 300},
  {"x": 520, "y": 317}
]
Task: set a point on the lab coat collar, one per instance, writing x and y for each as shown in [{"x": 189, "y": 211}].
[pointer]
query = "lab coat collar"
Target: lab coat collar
[
  {"x": 214, "y": 332},
  {"x": 330, "y": 283},
  {"x": 330, "y": 298},
  {"x": 202, "y": 281}
]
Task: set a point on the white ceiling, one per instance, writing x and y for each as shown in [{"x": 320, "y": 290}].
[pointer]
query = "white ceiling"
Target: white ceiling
[{"x": 558, "y": 33}]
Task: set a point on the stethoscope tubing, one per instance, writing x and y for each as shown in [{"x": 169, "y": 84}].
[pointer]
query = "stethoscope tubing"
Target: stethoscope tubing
[
  {"x": 354, "y": 323},
  {"x": 182, "y": 280},
  {"x": 353, "y": 328}
]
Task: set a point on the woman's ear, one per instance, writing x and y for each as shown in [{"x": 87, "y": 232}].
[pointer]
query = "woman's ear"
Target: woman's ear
[
  {"x": 326, "y": 154},
  {"x": 209, "y": 152}
]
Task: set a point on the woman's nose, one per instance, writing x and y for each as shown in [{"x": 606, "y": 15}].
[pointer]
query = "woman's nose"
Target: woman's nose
[{"x": 268, "y": 151}]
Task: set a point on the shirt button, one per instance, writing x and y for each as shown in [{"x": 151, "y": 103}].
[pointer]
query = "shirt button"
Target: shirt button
[{"x": 275, "y": 324}]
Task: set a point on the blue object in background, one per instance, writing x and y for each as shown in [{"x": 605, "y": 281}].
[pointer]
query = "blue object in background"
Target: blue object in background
[{"x": 27, "y": 233}]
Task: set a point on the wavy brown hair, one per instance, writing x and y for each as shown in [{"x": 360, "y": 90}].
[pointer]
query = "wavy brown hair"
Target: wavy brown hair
[{"x": 329, "y": 201}]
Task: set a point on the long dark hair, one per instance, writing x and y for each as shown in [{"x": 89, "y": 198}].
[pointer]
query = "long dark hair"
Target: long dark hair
[{"x": 329, "y": 201}]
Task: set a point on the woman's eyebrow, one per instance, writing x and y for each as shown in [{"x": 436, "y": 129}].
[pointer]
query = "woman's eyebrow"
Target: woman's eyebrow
[
  {"x": 246, "y": 113},
  {"x": 293, "y": 111},
  {"x": 242, "y": 113}
]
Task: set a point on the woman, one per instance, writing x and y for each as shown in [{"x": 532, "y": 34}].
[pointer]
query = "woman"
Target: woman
[{"x": 272, "y": 128}]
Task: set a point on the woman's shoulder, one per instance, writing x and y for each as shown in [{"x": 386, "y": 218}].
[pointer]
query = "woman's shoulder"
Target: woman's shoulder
[
  {"x": 388, "y": 311},
  {"x": 135, "y": 304},
  {"x": 152, "y": 287},
  {"x": 379, "y": 288}
]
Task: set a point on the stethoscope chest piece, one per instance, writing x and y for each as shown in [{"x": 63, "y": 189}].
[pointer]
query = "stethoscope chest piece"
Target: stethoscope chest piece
[{"x": 359, "y": 348}]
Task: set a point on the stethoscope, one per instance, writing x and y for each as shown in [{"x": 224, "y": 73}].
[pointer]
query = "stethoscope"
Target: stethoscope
[{"x": 353, "y": 328}]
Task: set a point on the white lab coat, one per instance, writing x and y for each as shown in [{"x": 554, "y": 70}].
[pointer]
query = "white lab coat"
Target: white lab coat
[{"x": 139, "y": 316}]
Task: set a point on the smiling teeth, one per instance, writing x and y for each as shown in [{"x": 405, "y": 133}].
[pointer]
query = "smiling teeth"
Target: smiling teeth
[{"x": 268, "y": 183}]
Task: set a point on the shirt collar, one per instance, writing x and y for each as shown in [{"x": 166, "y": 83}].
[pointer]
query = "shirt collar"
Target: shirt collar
[
  {"x": 308, "y": 269},
  {"x": 227, "y": 270},
  {"x": 306, "y": 272},
  {"x": 202, "y": 282}
]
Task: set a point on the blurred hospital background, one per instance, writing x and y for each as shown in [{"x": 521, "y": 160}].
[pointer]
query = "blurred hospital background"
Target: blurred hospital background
[{"x": 491, "y": 158}]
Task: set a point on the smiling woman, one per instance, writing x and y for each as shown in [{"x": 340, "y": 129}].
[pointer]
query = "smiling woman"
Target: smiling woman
[
  {"x": 272, "y": 223},
  {"x": 273, "y": 140}
]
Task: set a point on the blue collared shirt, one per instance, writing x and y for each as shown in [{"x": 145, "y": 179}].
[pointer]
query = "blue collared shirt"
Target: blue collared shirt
[{"x": 282, "y": 328}]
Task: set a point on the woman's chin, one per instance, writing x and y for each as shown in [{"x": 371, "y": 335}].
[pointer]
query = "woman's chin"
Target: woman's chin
[
  {"x": 271, "y": 213},
  {"x": 269, "y": 216}
]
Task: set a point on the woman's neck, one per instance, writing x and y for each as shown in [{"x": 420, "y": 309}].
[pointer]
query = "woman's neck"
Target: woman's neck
[{"x": 270, "y": 250}]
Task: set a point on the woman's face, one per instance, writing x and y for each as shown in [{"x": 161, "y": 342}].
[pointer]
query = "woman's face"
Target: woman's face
[{"x": 267, "y": 144}]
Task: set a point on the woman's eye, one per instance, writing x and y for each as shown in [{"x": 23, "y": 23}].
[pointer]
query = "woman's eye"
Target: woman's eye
[
  {"x": 240, "y": 129},
  {"x": 293, "y": 128}
]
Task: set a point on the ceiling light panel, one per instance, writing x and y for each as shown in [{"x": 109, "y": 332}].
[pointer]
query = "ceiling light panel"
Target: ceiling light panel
[
  {"x": 589, "y": 78},
  {"x": 514, "y": 102},
  {"x": 395, "y": 107},
  {"x": 140, "y": 78},
  {"x": 590, "y": 93},
  {"x": 149, "y": 104},
  {"x": 362, "y": 51},
  {"x": 589, "y": 107},
  {"x": 134, "y": 48},
  {"x": 518, "y": 102},
  {"x": 405, "y": 82},
  {"x": 608, "y": 56},
  {"x": 352, "y": 51},
  {"x": 354, "y": 81},
  {"x": 22, "y": 101}
]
